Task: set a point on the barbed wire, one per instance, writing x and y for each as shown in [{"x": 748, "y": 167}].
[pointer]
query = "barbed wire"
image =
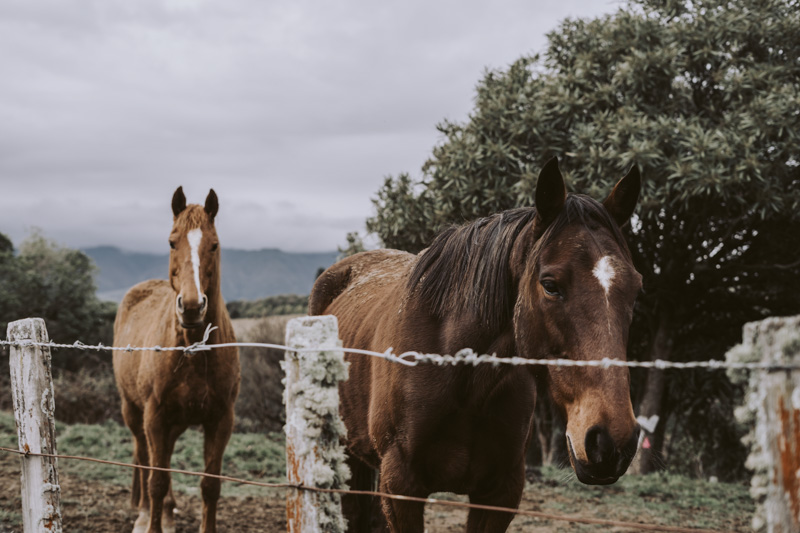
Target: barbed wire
[
  {"x": 400, "y": 497},
  {"x": 414, "y": 358},
  {"x": 410, "y": 358}
]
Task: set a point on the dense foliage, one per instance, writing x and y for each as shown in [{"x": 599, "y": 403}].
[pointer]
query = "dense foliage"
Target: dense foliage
[
  {"x": 55, "y": 283},
  {"x": 705, "y": 97}
]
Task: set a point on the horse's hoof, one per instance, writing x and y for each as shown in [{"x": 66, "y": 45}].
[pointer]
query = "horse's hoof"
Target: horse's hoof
[
  {"x": 142, "y": 522},
  {"x": 168, "y": 525},
  {"x": 168, "y": 521}
]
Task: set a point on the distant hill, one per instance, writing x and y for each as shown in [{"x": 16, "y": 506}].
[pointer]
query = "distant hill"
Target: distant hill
[{"x": 246, "y": 275}]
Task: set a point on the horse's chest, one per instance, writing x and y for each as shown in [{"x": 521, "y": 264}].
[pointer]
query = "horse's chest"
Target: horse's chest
[
  {"x": 467, "y": 447},
  {"x": 189, "y": 397},
  {"x": 193, "y": 399},
  {"x": 463, "y": 436}
]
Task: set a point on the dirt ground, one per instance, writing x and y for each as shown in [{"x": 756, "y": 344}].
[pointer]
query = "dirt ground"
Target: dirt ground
[{"x": 99, "y": 507}]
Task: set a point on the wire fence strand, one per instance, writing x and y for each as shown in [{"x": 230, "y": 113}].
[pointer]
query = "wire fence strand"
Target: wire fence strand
[
  {"x": 412, "y": 358},
  {"x": 434, "y": 501}
]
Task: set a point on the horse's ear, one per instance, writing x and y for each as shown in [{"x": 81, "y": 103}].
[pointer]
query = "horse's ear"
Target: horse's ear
[
  {"x": 550, "y": 192},
  {"x": 178, "y": 202},
  {"x": 622, "y": 200},
  {"x": 212, "y": 204}
]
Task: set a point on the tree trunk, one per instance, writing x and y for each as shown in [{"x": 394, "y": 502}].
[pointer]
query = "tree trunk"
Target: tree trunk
[{"x": 649, "y": 457}]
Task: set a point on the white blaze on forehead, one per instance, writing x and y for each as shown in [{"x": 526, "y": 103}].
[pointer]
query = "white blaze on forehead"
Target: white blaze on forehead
[
  {"x": 604, "y": 272},
  {"x": 195, "y": 236}
]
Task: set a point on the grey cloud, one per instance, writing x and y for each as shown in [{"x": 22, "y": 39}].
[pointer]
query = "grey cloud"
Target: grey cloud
[{"x": 293, "y": 112}]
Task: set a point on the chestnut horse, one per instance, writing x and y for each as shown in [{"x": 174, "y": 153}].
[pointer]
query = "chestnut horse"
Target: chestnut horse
[
  {"x": 554, "y": 281},
  {"x": 165, "y": 392}
]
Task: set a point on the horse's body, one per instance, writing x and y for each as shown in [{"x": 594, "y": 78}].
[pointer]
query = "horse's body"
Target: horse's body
[
  {"x": 165, "y": 392},
  {"x": 554, "y": 281}
]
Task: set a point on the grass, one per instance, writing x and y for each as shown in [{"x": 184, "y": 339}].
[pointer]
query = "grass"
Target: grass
[
  {"x": 11, "y": 519},
  {"x": 662, "y": 498},
  {"x": 248, "y": 456},
  {"x": 10, "y": 505},
  {"x": 8, "y": 430},
  {"x": 666, "y": 499}
]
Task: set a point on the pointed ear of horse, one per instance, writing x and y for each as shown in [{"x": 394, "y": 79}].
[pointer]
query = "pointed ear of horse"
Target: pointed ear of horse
[
  {"x": 550, "y": 192},
  {"x": 212, "y": 204},
  {"x": 622, "y": 200},
  {"x": 178, "y": 202}
]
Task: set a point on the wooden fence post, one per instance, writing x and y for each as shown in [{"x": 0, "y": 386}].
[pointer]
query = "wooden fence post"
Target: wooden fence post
[
  {"x": 34, "y": 409},
  {"x": 314, "y": 453},
  {"x": 772, "y": 411}
]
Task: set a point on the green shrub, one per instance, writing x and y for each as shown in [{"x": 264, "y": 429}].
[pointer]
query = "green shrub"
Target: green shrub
[{"x": 282, "y": 304}]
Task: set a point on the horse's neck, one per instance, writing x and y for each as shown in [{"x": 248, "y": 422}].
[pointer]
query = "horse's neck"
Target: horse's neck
[{"x": 466, "y": 330}]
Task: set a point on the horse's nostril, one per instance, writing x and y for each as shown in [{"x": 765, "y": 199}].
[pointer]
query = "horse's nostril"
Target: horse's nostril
[
  {"x": 179, "y": 304},
  {"x": 599, "y": 445},
  {"x": 203, "y": 302},
  {"x": 630, "y": 447},
  {"x": 633, "y": 443}
]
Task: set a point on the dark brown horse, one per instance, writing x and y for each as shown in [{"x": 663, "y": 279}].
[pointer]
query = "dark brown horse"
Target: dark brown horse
[
  {"x": 551, "y": 281},
  {"x": 165, "y": 392}
]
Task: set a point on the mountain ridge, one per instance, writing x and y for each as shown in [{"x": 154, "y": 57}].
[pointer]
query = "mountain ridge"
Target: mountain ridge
[{"x": 246, "y": 274}]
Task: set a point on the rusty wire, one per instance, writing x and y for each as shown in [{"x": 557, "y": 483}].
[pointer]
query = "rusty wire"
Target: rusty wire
[{"x": 399, "y": 497}]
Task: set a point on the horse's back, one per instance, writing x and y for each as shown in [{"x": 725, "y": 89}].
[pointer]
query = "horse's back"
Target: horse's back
[
  {"x": 367, "y": 292},
  {"x": 367, "y": 284},
  {"x": 141, "y": 311},
  {"x": 140, "y": 322}
]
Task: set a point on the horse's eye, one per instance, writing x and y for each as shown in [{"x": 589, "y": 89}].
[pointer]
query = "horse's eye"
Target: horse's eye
[
  {"x": 550, "y": 287},
  {"x": 214, "y": 247},
  {"x": 172, "y": 244}
]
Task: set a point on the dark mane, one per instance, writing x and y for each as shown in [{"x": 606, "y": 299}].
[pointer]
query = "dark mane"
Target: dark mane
[{"x": 466, "y": 269}]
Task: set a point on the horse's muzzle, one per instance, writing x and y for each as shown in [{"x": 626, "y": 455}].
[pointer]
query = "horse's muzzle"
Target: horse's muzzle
[
  {"x": 191, "y": 314},
  {"x": 606, "y": 461}
]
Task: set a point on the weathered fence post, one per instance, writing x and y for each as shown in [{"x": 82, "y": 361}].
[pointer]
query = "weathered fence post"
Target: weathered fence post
[
  {"x": 34, "y": 409},
  {"x": 772, "y": 410},
  {"x": 314, "y": 453}
]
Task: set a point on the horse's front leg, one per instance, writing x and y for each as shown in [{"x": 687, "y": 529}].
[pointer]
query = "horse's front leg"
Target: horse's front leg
[
  {"x": 139, "y": 492},
  {"x": 506, "y": 492},
  {"x": 397, "y": 478},
  {"x": 359, "y": 510},
  {"x": 161, "y": 439},
  {"x": 217, "y": 433},
  {"x": 140, "y": 498}
]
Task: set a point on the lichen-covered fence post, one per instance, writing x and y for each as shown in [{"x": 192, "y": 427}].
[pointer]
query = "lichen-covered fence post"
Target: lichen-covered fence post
[
  {"x": 34, "y": 408},
  {"x": 772, "y": 411},
  {"x": 314, "y": 453}
]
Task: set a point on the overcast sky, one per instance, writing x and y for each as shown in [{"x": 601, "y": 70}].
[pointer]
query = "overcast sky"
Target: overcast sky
[{"x": 294, "y": 112}]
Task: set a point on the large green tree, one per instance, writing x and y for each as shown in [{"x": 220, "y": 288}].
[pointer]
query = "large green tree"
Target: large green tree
[
  {"x": 55, "y": 283},
  {"x": 705, "y": 97},
  {"x": 46, "y": 280}
]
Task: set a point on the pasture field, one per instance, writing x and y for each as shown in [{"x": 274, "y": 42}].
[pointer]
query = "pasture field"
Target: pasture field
[{"x": 95, "y": 497}]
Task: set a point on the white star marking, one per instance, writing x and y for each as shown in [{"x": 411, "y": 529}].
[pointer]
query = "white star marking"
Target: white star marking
[{"x": 604, "y": 272}]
